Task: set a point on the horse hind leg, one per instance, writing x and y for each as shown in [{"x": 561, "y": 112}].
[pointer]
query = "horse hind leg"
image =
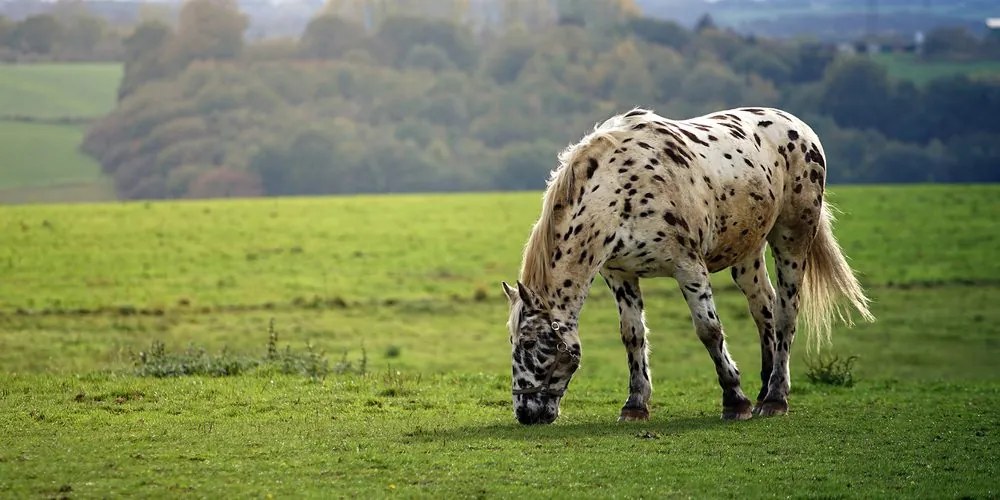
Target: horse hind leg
[
  {"x": 752, "y": 279},
  {"x": 790, "y": 247},
  {"x": 697, "y": 290},
  {"x": 632, "y": 323}
]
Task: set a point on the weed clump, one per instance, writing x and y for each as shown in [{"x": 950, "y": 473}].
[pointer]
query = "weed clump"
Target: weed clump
[
  {"x": 835, "y": 371},
  {"x": 158, "y": 362}
]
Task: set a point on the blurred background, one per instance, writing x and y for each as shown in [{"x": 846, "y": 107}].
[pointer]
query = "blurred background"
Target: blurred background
[{"x": 105, "y": 100}]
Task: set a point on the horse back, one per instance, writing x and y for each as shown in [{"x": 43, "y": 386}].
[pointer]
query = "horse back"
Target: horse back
[{"x": 713, "y": 187}]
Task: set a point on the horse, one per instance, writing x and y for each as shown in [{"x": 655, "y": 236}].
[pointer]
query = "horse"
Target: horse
[{"x": 644, "y": 196}]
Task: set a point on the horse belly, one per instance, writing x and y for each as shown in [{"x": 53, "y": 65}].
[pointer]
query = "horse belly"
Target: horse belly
[{"x": 744, "y": 217}]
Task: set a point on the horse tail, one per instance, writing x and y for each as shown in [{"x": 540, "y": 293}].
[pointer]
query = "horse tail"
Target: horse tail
[{"x": 829, "y": 285}]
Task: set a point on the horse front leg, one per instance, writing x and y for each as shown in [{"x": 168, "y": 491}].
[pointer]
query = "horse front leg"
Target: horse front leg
[{"x": 632, "y": 323}]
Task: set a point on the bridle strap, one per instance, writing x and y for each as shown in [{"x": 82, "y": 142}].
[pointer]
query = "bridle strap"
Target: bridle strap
[{"x": 562, "y": 351}]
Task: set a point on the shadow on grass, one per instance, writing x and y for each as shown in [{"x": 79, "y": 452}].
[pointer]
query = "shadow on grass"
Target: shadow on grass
[{"x": 574, "y": 428}]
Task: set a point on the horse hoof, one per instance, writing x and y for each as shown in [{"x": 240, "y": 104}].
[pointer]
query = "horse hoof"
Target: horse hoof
[
  {"x": 772, "y": 408},
  {"x": 634, "y": 415},
  {"x": 740, "y": 412}
]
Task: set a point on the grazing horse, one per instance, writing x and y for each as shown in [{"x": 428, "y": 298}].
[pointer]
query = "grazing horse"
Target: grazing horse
[{"x": 643, "y": 196}]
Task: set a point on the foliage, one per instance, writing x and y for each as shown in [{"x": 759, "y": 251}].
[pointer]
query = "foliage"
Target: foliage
[
  {"x": 954, "y": 41},
  {"x": 158, "y": 362},
  {"x": 421, "y": 103},
  {"x": 64, "y": 33},
  {"x": 825, "y": 369}
]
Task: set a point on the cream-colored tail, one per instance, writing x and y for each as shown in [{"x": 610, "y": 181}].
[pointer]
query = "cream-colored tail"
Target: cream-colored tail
[{"x": 829, "y": 285}]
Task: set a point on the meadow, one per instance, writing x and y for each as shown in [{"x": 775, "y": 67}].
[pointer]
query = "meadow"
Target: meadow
[
  {"x": 44, "y": 111},
  {"x": 58, "y": 90},
  {"x": 402, "y": 295},
  {"x": 921, "y": 72}
]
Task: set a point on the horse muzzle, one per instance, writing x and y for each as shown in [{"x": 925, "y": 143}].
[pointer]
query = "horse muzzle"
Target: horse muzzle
[{"x": 540, "y": 415}]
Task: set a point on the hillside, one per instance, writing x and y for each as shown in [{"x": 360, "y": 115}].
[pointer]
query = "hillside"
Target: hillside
[{"x": 45, "y": 112}]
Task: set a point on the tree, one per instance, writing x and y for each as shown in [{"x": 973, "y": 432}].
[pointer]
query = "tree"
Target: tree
[
  {"x": 857, "y": 93},
  {"x": 329, "y": 37},
  {"x": 705, "y": 23},
  {"x": 530, "y": 14},
  {"x": 84, "y": 32},
  {"x": 525, "y": 165},
  {"x": 960, "y": 105},
  {"x": 660, "y": 32},
  {"x": 399, "y": 34},
  {"x": 225, "y": 182},
  {"x": 145, "y": 56},
  {"x": 208, "y": 29},
  {"x": 811, "y": 61},
  {"x": 974, "y": 157},
  {"x": 951, "y": 42},
  {"x": 762, "y": 62},
  {"x": 6, "y": 30},
  {"x": 595, "y": 14},
  {"x": 39, "y": 34},
  {"x": 428, "y": 57},
  {"x": 507, "y": 58},
  {"x": 899, "y": 162}
]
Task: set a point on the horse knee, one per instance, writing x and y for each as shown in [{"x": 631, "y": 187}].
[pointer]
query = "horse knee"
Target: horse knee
[{"x": 710, "y": 333}]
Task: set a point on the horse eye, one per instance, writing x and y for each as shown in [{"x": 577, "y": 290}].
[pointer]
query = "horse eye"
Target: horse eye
[{"x": 528, "y": 344}]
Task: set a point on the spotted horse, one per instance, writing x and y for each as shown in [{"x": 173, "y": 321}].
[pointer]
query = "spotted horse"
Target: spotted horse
[{"x": 643, "y": 196}]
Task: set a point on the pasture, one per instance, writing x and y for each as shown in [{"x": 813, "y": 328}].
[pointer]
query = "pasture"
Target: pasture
[
  {"x": 44, "y": 109},
  {"x": 920, "y": 72},
  {"x": 402, "y": 294},
  {"x": 58, "y": 91}
]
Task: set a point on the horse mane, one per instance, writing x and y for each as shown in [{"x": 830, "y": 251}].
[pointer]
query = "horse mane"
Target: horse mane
[{"x": 558, "y": 197}]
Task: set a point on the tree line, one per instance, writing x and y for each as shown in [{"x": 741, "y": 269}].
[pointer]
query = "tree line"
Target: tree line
[
  {"x": 411, "y": 103},
  {"x": 68, "y": 33}
]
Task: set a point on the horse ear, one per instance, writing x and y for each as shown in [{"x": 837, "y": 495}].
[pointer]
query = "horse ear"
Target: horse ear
[
  {"x": 509, "y": 292},
  {"x": 527, "y": 296}
]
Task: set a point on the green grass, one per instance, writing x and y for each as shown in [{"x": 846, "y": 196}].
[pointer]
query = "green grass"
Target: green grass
[
  {"x": 85, "y": 192},
  {"x": 920, "y": 72},
  {"x": 42, "y": 110},
  {"x": 41, "y": 154},
  {"x": 452, "y": 436},
  {"x": 51, "y": 91},
  {"x": 413, "y": 282},
  {"x": 360, "y": 249}
]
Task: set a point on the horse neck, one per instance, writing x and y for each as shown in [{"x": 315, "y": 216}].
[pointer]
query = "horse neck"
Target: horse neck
[{"x": 566, "y": 289}]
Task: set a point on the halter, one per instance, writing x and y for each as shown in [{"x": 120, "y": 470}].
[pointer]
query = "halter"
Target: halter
[{"x": 562, "y": 353}]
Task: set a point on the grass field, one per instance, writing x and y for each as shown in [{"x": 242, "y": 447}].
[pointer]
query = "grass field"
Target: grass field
[
  {"x": 410, "y": 284},
  {"x": 43, "y": 111},
  {"x": 920, "y": 72},
  {"x": 41, "y": 153},
  {"x": 58, "y": 90}
]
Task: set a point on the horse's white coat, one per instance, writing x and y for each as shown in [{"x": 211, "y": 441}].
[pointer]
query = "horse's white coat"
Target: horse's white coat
[{"x": 644, "y": 196}]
